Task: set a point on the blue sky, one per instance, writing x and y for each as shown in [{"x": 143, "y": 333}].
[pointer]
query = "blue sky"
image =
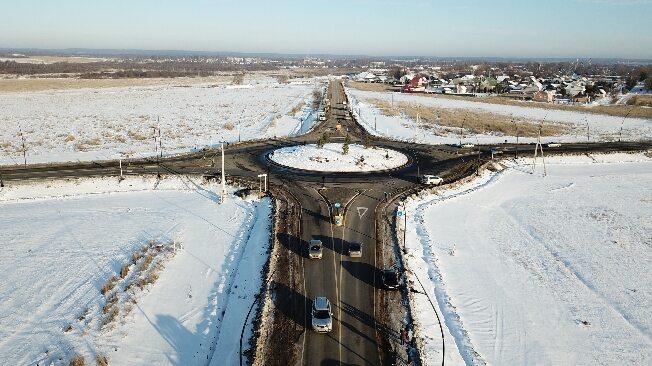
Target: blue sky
[{"x": 510, "y": 28}]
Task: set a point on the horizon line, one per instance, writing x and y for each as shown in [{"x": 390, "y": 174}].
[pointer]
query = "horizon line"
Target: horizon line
[{"x": 170, "y": 52}]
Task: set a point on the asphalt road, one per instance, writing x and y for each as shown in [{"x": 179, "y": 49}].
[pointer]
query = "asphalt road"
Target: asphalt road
[{"x": 351, "y": 284}]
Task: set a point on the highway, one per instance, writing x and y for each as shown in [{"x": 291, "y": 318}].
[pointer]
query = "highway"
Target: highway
[{"x": 361, "y": 326}]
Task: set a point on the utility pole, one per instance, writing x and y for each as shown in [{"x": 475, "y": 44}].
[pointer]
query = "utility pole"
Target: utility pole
[
  {"x": 416, "y": 127},
  {"x": 121, "y": 177},
  {"x": 462, "y": 128},
  {"x": 158, "y": 170},
  {"x": 516, "y": 153},
  {"x": 588, "y": 136},
  {"x": 22, "y": 137},
  {"x": 376, "y": 124},
  {"x": 223, "y": 194},
  {"x": 404, "y": 228},
  {"x": 620, "y": 137},
  {"x": 538, "y": 147}
]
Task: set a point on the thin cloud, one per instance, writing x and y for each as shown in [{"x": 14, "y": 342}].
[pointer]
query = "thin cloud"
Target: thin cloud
[{"x": 617, "y": 2}]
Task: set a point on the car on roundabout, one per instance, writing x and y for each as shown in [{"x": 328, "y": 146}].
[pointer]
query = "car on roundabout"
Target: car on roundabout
[{"x": 430, "y": 179}]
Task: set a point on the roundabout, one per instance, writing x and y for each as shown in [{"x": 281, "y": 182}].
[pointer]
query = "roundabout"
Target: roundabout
[{"x": 332, "y": 158}]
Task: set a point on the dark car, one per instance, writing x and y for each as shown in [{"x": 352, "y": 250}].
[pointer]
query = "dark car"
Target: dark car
[
  {"x": 390, "y": 279},
  {"x": 355, "y": 250}
]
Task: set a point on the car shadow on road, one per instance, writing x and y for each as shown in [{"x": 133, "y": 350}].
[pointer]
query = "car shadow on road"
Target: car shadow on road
[
  {"x": 333, "y": 362},
  {"x": 364, "y": 272},
  {"x": 316, "y": 215},
  {"x": 294, "y": 244},
  {"x": 369, "y": 320},
  {"x": 292, "y": 304},
  {"x": 337, "y": 245}
]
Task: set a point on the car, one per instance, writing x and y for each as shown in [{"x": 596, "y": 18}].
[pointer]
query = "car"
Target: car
[
  {"x": 390, "y": 279},
  {"x": 322, "y": 116},
  {"x": 467, "y": 145},
  {"x": 338, "y": 220},
  {"x": 355, "y": 250},
  {"x": 315, "y": 249},
  {"x": 553, "y": 144},
  {"x": 322, "y": 317},
  {"x": 431, "y": 179},
  {"x": 496, "y": 151}
]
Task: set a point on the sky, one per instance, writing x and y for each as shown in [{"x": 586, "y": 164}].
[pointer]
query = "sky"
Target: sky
[{"x": 464, "y": 28}]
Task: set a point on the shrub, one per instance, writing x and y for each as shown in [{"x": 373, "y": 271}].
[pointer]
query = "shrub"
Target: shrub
[
  {"x": 323, "y": 140},
  {"x": 109, "y": 285},
  {"x": 124, "y": 271},
  {"x": 148, "y": 260},
  {"x": 101, "y": 360},
  {"x": 77, "y": 361}
]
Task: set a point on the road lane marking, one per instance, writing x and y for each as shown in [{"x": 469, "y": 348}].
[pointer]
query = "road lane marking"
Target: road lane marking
[{"x": 362, "y": 211}]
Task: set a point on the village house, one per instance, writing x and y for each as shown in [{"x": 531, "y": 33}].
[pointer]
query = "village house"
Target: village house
[
  {"x": 545, "y": 96},
  {"x": 417, "y": 84}
]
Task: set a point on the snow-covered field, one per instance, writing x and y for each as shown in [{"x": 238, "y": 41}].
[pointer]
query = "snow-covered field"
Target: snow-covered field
[
  {"x": 534, "y": 270},
  {"x": 601, "y": 127},
  {"x": 330, "y": 158},
  {"x": 63, "y": 241},
  {"x": 112, "y": 123}
]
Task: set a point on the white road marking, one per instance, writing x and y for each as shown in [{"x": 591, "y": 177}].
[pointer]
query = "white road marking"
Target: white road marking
[{"x": 362, "y": 211}]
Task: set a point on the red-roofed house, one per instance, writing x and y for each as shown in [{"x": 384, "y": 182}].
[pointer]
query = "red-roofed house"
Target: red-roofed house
[{"x": 417, "y": 84}]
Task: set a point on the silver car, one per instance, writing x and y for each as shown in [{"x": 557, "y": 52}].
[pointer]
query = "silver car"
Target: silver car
[
  {"x": 315, "y": 249},
  {"x": 322, "y": 317}
]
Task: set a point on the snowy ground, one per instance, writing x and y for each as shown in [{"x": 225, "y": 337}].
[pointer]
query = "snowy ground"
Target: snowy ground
[
  {"x": 601, "y": 127},
  {"x": 112, "y": 123},
  {"x": 63, "y": 240},
  {"x": 535, "y": 270},
  {"x": 331, "y": 159}
]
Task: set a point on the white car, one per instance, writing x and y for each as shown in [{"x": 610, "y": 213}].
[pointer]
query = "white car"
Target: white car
[
  {"x": 315, "y": 249},
  {"x": 553, "y": 144},
  {"x": 322, "y": 317},
  {"x": 431, "y": 179},
  {"x": 467, "y": 145}
]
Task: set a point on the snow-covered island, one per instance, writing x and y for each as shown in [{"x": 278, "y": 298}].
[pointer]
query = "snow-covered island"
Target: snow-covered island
[{"x": 331, "y": 158}]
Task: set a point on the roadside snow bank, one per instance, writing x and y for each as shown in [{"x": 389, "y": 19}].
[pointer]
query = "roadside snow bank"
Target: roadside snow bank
[
  {"x": 63, "y": 240},
  {"x": 330, "y": 158},
  {"x": 529, "y": 269}
]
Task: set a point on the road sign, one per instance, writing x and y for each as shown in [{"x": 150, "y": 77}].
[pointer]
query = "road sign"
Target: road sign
[
  {"x": 362, "y": 211},
  {"x": 337, "y": 205}
]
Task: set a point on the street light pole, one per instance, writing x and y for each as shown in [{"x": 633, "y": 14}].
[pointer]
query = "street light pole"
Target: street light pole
[
  {"x": 223, "y": 194},
  {"x": 22, "y": 137}
]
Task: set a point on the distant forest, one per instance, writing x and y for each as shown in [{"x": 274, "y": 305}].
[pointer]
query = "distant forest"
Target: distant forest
[{"x": 127, "y": 69}]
